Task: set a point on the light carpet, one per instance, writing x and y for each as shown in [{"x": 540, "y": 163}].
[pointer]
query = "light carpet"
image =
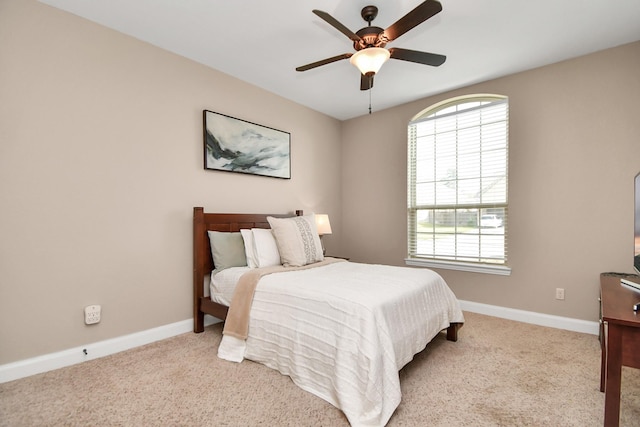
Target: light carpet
[{"x": 499, "y": 373}]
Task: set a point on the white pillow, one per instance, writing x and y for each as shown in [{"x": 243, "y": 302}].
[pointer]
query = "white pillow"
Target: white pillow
[
  {"x": 249, "y": 251},
  {"x": 265, "y": 248},
  {"x": 298, "y": 240}
]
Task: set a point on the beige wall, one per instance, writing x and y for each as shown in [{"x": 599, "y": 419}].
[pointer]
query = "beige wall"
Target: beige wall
[
  {"x": 100, "y": 167},
  {"x": 574, "y": 150}
]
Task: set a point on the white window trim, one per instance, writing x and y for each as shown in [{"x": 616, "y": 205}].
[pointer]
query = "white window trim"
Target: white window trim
[{"x": 501, "y": 270}]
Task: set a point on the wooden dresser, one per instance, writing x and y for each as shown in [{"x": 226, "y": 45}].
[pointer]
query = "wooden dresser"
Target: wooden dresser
[{"x": 619, "y": 339}]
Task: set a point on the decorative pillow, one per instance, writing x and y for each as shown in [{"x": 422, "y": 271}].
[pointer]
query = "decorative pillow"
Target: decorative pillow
[
  {"x": 265, "y": 248},
  {"x": 298, "y": 240},
  {"x": 227, "y": 249},
  {"x": 249, "y": 251}
]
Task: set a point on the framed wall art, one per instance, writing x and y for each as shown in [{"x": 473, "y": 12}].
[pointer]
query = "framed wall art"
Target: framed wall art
[{"x": 235, "y": 145}]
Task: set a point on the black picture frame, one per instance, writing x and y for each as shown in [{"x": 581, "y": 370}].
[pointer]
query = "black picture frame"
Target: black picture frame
[{"x": 236, "y": 145}]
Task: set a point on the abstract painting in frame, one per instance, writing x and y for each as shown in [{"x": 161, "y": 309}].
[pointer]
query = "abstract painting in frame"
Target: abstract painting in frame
[{"x": 235, "y": 145}]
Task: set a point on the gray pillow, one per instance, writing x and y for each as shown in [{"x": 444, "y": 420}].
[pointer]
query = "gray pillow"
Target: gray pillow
[{"x": 227, "y": 249}]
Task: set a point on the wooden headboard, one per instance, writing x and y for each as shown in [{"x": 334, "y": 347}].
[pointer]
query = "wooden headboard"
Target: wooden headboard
[{"x": 202, "y": 261}]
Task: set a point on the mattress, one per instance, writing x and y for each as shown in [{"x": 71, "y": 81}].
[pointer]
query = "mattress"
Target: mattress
[
  {"x": 223, "y": 284},
  {"x": 343, "y": 331}
]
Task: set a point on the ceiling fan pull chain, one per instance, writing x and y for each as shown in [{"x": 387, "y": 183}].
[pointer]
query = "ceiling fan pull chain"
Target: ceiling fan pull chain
[{"x": 370, "y": 89}]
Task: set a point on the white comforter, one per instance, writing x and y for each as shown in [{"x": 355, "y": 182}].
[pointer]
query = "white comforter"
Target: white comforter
[{"x": 343, "y": 331}]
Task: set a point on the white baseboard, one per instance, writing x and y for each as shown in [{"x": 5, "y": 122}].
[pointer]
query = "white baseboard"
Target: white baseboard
[
  {"x": 558, "y": 322},
  {"x": 72, "y": 356},
  {"x": 48, "y": 362}
]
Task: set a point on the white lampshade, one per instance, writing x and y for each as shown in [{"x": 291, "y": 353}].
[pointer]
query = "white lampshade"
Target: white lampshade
[
  {"x": 370, "y": 60},
  {"x": 323, "y": 224}
]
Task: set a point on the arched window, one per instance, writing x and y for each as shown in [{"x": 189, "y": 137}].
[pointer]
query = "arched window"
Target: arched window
[{"x": 457, "y": 185}]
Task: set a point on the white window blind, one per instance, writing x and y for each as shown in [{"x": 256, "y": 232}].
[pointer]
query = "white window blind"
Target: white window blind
[{"x": 457, "y": 182}]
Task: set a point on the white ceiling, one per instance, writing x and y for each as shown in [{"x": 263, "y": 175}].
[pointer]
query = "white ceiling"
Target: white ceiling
[{"x": 262, "y": 42}]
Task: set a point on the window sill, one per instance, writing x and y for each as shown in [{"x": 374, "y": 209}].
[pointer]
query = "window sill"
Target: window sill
[{"x": 501, "y": 270}]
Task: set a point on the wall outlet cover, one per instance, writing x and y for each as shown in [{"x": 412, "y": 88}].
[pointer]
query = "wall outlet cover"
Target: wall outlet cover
[{"x": 92, "y": 314}]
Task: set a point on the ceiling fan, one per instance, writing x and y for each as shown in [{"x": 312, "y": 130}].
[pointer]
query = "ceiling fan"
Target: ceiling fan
[{"x": 370, "y": 41}]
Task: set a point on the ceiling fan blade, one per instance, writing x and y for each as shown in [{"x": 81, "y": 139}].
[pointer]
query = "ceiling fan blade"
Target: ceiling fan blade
[
  {"x": 417, "y": 16},
  {"x": 324, "y": 62},
  {"x": 366, "y": 81},
  {"x": 337, "y": 25},
  {"x": 425, "y": 58}
]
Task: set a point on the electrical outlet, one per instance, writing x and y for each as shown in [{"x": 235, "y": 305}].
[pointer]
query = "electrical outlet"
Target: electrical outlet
[
  {"x": 560, "y": 293},
  {"x": 92, "y": 314}
]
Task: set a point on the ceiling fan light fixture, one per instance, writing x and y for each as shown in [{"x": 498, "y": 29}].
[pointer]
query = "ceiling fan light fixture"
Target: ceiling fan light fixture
[{"x": 369, "y": 60}]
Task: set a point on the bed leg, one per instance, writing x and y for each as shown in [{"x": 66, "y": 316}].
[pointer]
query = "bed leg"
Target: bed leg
[
  {"x": 198, "y": 322},
  {"x": 452, "y": 331}
]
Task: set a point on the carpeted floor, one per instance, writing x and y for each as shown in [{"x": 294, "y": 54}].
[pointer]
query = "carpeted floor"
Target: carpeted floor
[{"x": 499, "y": 373}]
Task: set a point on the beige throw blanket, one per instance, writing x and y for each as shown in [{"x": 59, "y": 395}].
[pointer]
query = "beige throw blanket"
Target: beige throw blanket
[{"x": 237, "y": 322}]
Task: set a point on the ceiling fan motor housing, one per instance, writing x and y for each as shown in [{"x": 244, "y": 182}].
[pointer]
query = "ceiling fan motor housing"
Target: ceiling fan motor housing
[
  {"x": 369, "y": 35},
  {"x": 370, "y": 38}
]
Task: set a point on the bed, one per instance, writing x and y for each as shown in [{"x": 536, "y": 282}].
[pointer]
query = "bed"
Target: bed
[{"x": 340, "y": 330}]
